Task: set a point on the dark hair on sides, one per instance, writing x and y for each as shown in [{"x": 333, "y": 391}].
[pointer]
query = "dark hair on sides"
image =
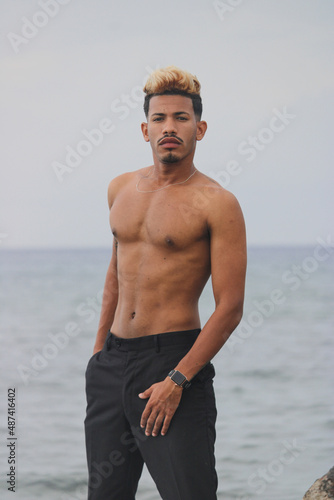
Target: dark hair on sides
[{"x": 196, "y": 100}]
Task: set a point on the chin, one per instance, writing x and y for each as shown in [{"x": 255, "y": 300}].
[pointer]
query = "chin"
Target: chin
[{"x": 170, "y": 158}]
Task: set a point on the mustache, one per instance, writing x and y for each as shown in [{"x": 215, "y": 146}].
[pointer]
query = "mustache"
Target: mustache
[{"x": 170, "y": 136}]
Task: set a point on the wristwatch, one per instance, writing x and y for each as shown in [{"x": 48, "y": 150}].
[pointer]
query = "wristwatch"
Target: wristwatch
[{"x": 179, "y": 379}]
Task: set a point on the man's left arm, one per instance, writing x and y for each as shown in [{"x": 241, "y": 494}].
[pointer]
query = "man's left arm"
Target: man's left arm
[
  {"x": 228, "y": 271},
  {"x": 228, "y": 268}
]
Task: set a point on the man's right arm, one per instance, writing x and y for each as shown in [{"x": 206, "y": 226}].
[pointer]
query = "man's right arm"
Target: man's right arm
[
  {"x": 109, "y": 301},
  {"x": 110, "y": 291}
]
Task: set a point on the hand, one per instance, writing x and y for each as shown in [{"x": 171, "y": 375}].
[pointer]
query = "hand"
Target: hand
[{"x": 164, "y": 398}]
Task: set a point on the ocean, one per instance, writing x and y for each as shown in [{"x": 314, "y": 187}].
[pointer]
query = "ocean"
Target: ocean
[{"x": 274, "y": 376}]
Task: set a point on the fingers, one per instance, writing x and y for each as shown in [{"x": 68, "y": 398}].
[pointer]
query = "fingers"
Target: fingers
[
  {"x": 146, "y": 394},
  {"x": 144, "y": 418},
  {"x": 164, "y": 398},
  {"x": 153, "y": 421},
  {"x": 166, "y": 425}
]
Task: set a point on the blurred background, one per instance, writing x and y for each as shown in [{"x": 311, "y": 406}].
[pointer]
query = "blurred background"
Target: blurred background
[{"x": 89, "y": 61}]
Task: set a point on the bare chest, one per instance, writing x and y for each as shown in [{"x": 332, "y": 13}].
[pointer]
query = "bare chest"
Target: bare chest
[{"x": 165, "y": 219}]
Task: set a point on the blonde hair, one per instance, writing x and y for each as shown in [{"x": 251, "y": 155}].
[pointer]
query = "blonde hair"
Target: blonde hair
[{"x": 172, "y": 80}]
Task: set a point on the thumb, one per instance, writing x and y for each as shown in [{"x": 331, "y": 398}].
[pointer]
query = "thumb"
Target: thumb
[{"x": 146, "y": 394}]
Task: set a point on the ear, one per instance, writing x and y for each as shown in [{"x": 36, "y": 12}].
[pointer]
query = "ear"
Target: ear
[
  {"x": 144, "y": 129},
  {"x": 201, "y": 129}
]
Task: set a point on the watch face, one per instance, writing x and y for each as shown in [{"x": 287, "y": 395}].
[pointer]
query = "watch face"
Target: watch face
[{"x": 178, "y": 378}]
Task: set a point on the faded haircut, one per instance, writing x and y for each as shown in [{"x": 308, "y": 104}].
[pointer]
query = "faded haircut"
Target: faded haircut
[{"x": 173, "y": 81}]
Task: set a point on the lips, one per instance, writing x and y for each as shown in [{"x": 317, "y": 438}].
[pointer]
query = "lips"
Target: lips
[{"x": 169, "y": 140}]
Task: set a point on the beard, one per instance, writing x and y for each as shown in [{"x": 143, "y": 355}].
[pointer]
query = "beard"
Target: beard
[{"x": 170, "y": 158}]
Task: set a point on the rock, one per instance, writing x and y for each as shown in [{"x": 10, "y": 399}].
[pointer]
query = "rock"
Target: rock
[{"x": 322, "y": 489}]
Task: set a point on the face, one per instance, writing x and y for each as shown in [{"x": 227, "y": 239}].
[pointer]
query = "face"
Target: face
[{"x": 172, "y": 128}]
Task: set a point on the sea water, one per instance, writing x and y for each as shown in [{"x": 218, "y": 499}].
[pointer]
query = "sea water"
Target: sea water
[{"x": 274, "y": 376}]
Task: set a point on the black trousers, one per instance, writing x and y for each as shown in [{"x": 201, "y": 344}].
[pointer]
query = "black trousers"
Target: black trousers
[{"x": 182, "y": 462}]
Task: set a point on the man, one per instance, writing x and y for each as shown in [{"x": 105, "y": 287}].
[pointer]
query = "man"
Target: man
[{"x": 149, "y": 382}]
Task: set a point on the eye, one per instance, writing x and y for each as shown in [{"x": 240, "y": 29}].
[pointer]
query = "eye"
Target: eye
[
  {"x": 182, "y": 118},
  {"x": 157, "y": 119}
]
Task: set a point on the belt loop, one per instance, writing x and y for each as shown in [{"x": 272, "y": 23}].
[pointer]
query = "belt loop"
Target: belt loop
[{"x": 157, "y": 343}]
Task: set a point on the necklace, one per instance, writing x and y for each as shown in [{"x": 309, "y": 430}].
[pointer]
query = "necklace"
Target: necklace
[{"x": 163, "y": 187}]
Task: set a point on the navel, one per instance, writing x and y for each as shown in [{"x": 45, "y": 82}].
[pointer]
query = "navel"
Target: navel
[{"x": 133, "y": 315}]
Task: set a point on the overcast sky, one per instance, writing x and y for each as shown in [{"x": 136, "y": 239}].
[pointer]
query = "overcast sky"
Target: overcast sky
[{"x": 71, "y": 66}]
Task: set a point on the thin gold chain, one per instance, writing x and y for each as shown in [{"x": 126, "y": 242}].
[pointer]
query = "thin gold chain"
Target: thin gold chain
[{"x": 163, "y": 187}]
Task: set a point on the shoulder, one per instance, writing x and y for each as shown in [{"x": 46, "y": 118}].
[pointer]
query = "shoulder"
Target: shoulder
[
  {"x": 119, "y": 183},
  {"x": 218, "y": 197},
  {"x": 222, "y": 207}
]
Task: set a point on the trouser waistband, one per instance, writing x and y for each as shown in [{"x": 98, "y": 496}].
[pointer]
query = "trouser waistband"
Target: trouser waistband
[{"x": 184, "y": 338}]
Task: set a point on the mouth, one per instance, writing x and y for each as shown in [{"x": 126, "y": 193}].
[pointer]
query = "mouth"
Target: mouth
[{"x": 169, "y": 142}]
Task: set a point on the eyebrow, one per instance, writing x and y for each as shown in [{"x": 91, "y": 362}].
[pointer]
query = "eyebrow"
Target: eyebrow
[{"x": 177, "y": 113}]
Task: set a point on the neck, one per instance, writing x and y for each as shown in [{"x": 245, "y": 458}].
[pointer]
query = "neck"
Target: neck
[{"x": 166, "y": 173}]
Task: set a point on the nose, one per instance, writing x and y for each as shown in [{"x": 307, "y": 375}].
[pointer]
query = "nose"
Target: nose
[{"x": 169, "y": 126}]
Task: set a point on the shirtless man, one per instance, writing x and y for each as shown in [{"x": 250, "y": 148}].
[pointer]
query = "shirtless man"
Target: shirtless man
[{"x": 173, "y": 227}]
